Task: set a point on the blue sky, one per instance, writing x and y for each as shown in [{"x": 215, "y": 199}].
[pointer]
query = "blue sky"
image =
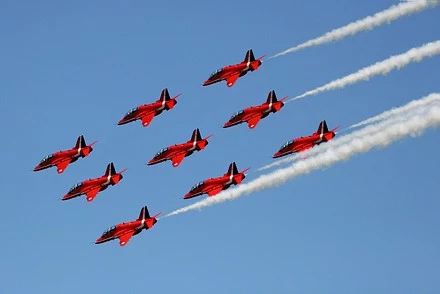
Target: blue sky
[{"x": 368, "y": 225}]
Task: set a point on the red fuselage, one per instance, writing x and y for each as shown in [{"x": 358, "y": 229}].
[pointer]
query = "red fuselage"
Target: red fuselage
[
  {"x": 228, "y": 72},
  {"x": 128, "y": 229},
  {"x": 177, "y": 152},
  {"x": 214, "y": 186},
  {"x": 146, "y": 112},
  {"x": 62, "y": 159},
  {"x": 304, "y": 143},
  {"x": 252, "y": 115},
  {"x": 92, "y": 187}
]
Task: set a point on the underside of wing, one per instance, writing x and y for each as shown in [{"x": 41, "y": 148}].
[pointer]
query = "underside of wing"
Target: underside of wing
[
  {"x": 146, "y": 119},
  {"x": 92, "y": 194},
  {"x": 303, "y": 147},
  {"x": 215, "y": 191},
  {"x": 253, "y": 122},
  {"x": 178, "y": 159},
  {"x": 62, "y": 165},
  {"x": 230, "y": 81},
  {"x": 123, "y": 239}
]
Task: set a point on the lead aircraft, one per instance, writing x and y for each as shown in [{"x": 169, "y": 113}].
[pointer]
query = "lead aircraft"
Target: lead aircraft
[
  {"x": 304, "y": 143},
  {"x": 231, "y": 73}
]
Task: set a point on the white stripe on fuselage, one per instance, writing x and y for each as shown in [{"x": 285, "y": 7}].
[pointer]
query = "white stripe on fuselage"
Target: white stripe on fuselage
[{"x": 321, "y": 138}]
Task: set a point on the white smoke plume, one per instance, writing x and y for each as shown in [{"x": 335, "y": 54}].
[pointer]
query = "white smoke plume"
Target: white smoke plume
[
  {"x": 399, "y": 110},
  {"x": 413, "y": 125},
  {"x": 379, "y": 68},
  {"x": 367, "y": 23},
  {"x": 391, "y": 116}
]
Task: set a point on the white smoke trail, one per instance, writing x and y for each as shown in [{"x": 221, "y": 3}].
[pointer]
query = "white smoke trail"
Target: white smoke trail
[
  {"x": 367, "y": 23},
  {"x": 413, "y": 125},
  {"x": 399, "y": 110},
  {"x": 391, "y": 116},
  {"x": 379, "y": 68}
]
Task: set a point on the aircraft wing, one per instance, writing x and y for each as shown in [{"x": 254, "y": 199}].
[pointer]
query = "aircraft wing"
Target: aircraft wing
[
  {"x": 62, "y": 166},
  {"x": 303, "y": 147},
  {"x": 123, "y": 239},
  {"x": 146, "y": 120},
  {"x": 230, "y": 81},
  {"x": 215, "y": 191},
  {"x": 253, "y": 122},
  {"x": 92, "y": 194},
  {"x": 178, "y": 159}
]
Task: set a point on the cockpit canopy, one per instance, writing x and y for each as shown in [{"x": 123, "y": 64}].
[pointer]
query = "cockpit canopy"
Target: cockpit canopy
[
  {"x": 109, "y": 230},
  {"x": 237, "y": 114},
  {"x": 76, "y": 186},
  {"x": 286, "y": 144},
  {"x": 46, "y": 158},
  {"x": 160, "y": 152},
  {"x": 216, "y": 72},
  {"x": 131, "y": 111},
  {"x": 196, "y": 186}
]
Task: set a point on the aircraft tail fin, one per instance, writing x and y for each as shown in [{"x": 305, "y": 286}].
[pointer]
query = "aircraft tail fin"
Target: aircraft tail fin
[
  {"x": 322, "y": 128},
  {"x": 110, "y": 170},
  {"x": 165, "y": 95},
  {"x": 249, "y": 56},
  {"x": 80, "y": 142},
  {"x": 196, "y": 136},
  {"x": 144, "y": 214},
  {"x": 232, "y": 170},
  {"x": 271, "y": 98}
]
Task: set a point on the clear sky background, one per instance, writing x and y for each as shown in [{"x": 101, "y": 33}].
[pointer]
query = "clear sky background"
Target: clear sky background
[{"x": 368, "y": 225}]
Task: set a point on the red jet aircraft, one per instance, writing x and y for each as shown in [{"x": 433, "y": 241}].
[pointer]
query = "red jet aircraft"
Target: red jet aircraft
[
  {"x": 176, "y": 153},
  {"x": 231, "y": 73},
  {"x": 125, "y": 231},
  {"x": 214, "y": 186},
  {"x": 63, "y": 158},
  {"x": 92, "y": 187},
  {"x": 254, "y": 114},
  {"x": 304, "y": 143},
  {"x": 147, "y": 112}
]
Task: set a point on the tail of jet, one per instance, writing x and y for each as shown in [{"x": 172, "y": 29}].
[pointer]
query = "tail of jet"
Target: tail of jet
[
  {"x": 196, "y": 137},
  {"x": 232, "y": 170},
  {"x": 250, "y": 58},
  {"x": 80, "y": 142},
  {"x": 144, "y": 214},
  {"x": 322, "y": 128},
  {"x": 110, "y": 170},
  {"x": 165, "y": 98},
  {"x": 81, "y": 145}
]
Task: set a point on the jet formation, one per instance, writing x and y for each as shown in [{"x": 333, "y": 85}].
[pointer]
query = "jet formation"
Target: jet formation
[{"x": 177, "y": 152}]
